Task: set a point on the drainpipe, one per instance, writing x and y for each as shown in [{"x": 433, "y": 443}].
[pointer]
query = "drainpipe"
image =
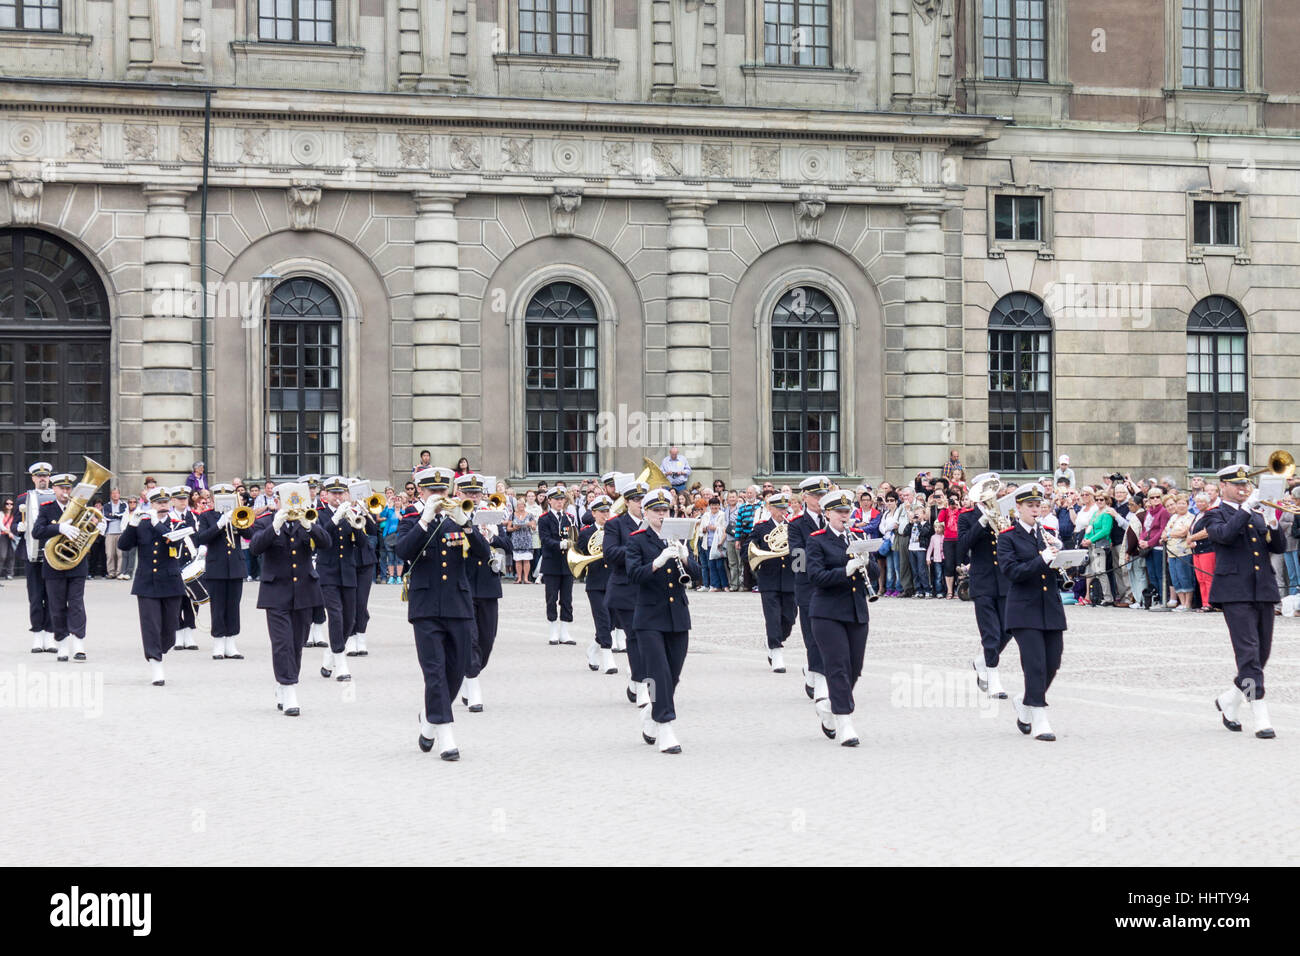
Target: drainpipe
[{"x": 203, "y": 276}]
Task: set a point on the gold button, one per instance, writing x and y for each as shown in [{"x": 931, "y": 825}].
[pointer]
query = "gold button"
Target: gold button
[
  {"x": 1257, "y": 567},
  {"x": 1257, "y": 554},
  {"x": 444, "y": 577},
  {"x": 1044, "y": 587},
  {"x": 855, "y": 589},
  {"x": 293, "y": 565},
  {"x": 155, "y": 570},
  {"x": 295, "y": 580},
  {"x": 670, "y": 600},
  {"x": 444, "y": 564},
  {"x": 670, "y": 583}
]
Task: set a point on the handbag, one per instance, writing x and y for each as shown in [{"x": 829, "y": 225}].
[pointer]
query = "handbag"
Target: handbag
[{"x": 886, "y": 545}]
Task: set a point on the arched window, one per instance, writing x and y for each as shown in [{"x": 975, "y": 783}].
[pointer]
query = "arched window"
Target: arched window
[
  {"x": 54, "y": 358},
  {"x": 805, "y": 383},
  {"x": 1020, "y": 385},
  {"x": 561, "y": 399},
  {"x": 304, "y": 397},
  {"x": 1216, "y": 384}
]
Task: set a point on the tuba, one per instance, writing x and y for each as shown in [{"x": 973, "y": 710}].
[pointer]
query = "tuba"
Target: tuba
[
  {"x": 985, "y": 495},
  {"x": 62, "y": 553},
  {"x": 578, "y": 562},
  {"x": 652, "y": 475},
  {"x": 778, "y": 546}
]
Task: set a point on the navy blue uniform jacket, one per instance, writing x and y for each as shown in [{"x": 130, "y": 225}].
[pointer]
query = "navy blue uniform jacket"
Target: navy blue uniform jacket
[
  {"x": 158, "y": 567},
  {"x": 1242, "y": 571},
  {"x": 483, "y": 581},
  {"x": 223, "y": 562},
  {"x": 978, "y": 545},
  {"x": 552, "y": 531},
  {"x": 835, "y": 595},
  {"x": 438, "y": 586},
  {"x": 800, "y": 528},
  {"x": 336, "y": 563},
  {"x": 47, "y": 527},
  {"x": 661, "y": 602},
  {"x": 620, "y": 593},
  {"x": 1033, "y": 600},
  {"x": 289, "y": 582},
  {"x": 597, "y": 573},
  {"x": 774, "y": 574}
]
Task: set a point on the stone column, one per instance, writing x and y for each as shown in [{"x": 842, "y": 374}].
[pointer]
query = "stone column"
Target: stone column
[
  {"x": 435, "y": 382},
  {"x": 925, "y": 385},
  {"x": 689, "y": 382},
  {"x": 168, "y": 382}
]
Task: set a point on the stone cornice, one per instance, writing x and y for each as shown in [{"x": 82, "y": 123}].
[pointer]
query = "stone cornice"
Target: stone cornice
[{"x": 496, "y": 113}]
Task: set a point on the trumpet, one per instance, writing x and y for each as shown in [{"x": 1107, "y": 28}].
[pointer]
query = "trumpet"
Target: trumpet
[
  {"x": 374, "y": 503},
  {"x": 466, "y": 505},
  {"x": 496, "y": 501}
]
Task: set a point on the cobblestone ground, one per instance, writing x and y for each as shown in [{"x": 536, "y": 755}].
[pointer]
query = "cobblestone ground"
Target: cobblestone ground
[{"x": 206, "y": 771}]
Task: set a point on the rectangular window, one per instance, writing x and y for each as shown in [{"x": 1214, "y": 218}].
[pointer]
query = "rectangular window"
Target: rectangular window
[
  {"x": 304, "y": 397},
  {"x": 43, "y": 15},
  {"x": 1215, "y": 223},
  {"x": 1017, "y": 217},
  {"x": 805, "y": 400},
  {"x": 296, "y": 21},
  {"x": 555, "y": 27},
  {"x": 1014, "y": 40},
  {"x": 1020, "y": 401},
  {"x": 797, "y": 33},
  {"x": 560, "y": 379},
  {"x": 1212, "y": 44},
  {"x": 1216, "y": 400}
]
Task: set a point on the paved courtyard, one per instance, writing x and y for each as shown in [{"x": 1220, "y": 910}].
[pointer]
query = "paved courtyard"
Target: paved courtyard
[{"x": 206, "y": 771}]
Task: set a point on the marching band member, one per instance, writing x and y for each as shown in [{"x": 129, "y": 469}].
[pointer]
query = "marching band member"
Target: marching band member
[
  {"x": 810, "y": 520},
  {"x": 336, "y": 568},
  {"x": 367, "y": 559},
  {"x": 775, "y": 583},
  {"x": 484, "y": 575},
  {"x": 838, "y": 605},
  {"x": 619, "y": 640},
  {"x": 316, "y": 636},
  {"x": 290, "y": 587},
  {"x": 440, "y": 607},
  {"x": 977, "y": 545},
  {"x": 65, "y": 591},
  {"x": 182, "y": 517},
  {"x": 661, "y": 572},
  {"x": 600, "y": 655},
  {"x": 158, "y": 586},
  {"x": 1034, "y": 613},
  {"x": 28, "y": 506},
  {"x": 553, "y": 528},
  {"x": 620, "y": 592},
  {"x": 1245, "y": 587},
  {"x": 223, "y": 575}
]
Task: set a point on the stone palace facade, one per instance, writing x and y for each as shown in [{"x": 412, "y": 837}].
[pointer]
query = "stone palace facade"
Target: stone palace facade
[{"x": 795, "y": 236}]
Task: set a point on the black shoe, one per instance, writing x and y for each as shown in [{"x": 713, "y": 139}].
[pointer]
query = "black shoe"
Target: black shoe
[
  {"x": 828, "y": 731},
  {"x": 647, "y": 738},
  {"x": 1046, "y": 737},
  {"x": 234, "y": 657},
  {"x": 159, "y": 683},
  {"x": 363, "y": 653},
  {"x": 218, "y": 657},
  {"x": 450, "y": 755},
  {"x": 292, "y": 712},
  {"x": 631, "y": 696},
  {"x": 37, "y": 650},
  {"x": 983, "y": 685},
  {"x": 344, "y": 677},
  {"x": 476, "y": 709},
  {"x": 594, "y": 667},
  {"x": 353, "y": 653},
  {"x": 51, "y": 650},
  {"x": 1023, "y": 727},
  {"x": 464, "y": 700},
  {"x": 325, "y": 673},
  {"x": 620, "y": 650},
  {"x": 426, "y": 744},
  {"x": 1265, "y": 734},
  {"x": 674, "y": 749},
  {"x": 1232, "y": 725},
  {"x": 79, "y": 656}
]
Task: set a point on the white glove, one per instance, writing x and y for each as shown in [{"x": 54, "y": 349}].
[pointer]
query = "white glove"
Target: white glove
[
  {"x": 984, "y": 520},
  {"x": 102, "y": 527},
  {"x": 430, "y": 509},
  {"x": 278, "y": 521},
  {"x": 683, "y": 551},
  {"x": 203, "y": 551},
  {"x": 22, "y": 526},
  {"x": 68, "y": 530},
  {"x": 666, "y": 555},
  {"x": 855, "y": 565},
  {"x": 339, "y": 514},
  {"x": 498, "y": 563},
  {"x": 306, "y": 525},
  {"x": 1047, "y": 554},
  {"x": 460, "y": 516},
  {"x": 133, "y": 520},
  {"x": 564, "y": 544},
  {"x": 1250, "y": 503},
  {"x": 224, "y": 519}
]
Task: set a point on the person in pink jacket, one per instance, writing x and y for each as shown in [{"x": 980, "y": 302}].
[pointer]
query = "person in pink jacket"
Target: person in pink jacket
[{"x": 1153, "y": 528}]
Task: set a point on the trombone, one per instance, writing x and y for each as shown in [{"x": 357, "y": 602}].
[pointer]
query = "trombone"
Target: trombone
[{"x": 1282, "y": 464}]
